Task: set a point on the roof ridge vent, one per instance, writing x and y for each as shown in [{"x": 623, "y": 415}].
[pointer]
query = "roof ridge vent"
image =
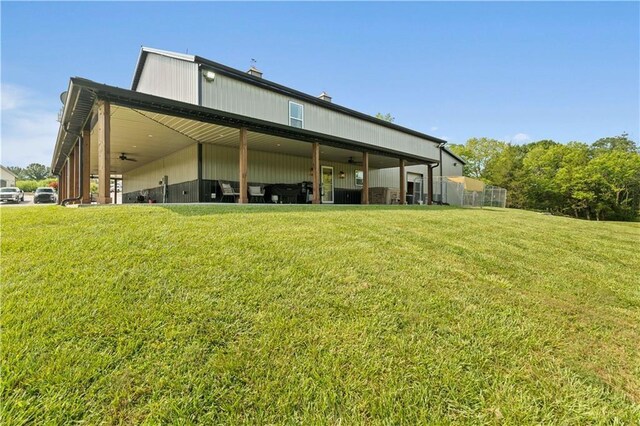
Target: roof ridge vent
[
  {"x": 325, "y": 97},
  {"x": 255, "y": 72}
]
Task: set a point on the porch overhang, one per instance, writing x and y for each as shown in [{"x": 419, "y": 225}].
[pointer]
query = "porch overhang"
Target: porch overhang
[{"x": 83, "y": 94}]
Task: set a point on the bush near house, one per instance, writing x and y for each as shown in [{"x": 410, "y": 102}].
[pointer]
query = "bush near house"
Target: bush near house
[
  {"x": 317, "y": 315},
  {"x": 32, "y": 185}
]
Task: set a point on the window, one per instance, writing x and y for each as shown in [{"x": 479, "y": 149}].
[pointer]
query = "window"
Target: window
[
  {"x": 296, "y": 115},
  {"x": 359, "y": 177}
]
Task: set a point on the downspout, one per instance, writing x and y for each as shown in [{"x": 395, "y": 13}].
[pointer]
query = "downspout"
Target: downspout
[
  {"x": 432, "y": 166},
  {"x": 80, "y": 167},
  {"x": 440, "y": 146}
]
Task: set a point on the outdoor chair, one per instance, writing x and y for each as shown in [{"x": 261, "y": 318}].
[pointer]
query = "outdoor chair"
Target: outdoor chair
[
  {"x": 228, "y": 191},
  {"x": 256, "y": 192}
]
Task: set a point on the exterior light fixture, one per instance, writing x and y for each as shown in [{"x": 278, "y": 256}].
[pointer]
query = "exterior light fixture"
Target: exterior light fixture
[
  {"x": 311, "y": 171},
  {"x": 342, "y": 174},
  {"x": 209, "y": 75}
]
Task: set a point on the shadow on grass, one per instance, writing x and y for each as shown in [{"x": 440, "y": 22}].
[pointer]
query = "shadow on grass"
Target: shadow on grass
[{"x": 215, "y": 209}]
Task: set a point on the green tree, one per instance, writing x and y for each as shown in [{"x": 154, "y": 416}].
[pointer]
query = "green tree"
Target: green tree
[
  {"x": 386, "y": 117},
  {"x": 615, "y": 143},
  {"x": 477, "y": 153},
  {"x": 36, "y": 171},
  {"x": 618, "y": 175},
  {"x": 540, "y": 166},
  {"x": 505, "y": 170},
  {"x": 577, "y": 191},
  {"x": 18, "y": 171}
]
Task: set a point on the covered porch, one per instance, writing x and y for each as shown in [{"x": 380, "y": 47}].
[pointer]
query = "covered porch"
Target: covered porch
[{"x": 169, "y": 151}]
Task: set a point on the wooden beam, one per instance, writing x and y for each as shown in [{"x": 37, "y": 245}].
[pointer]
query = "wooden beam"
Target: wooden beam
[
  {"x": 60, "y": 183},
  {"x": 403, "y": 183},
  {"x": 62, "y": 188},
  {"x": 86, "y": 167},
  {"x": 315, "y": 160},
  {"x": 73, "y": 158},
  {"x": 67, "y": 178},
  {"x": 430, "y": 185},
  {"x": 243, "y": 166},
  {"x": 365, "y": 178},
  {"x": 104, "y": 152}
]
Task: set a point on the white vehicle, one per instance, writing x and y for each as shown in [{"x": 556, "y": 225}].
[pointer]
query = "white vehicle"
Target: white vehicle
[{"x": 11, "y": 194}]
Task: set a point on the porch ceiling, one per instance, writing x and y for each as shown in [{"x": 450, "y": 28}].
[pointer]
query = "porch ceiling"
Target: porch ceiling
[{"x": 147, "y": 136}]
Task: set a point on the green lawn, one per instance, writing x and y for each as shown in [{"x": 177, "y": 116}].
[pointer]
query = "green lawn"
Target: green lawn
[{"x": 318, "y": 315}]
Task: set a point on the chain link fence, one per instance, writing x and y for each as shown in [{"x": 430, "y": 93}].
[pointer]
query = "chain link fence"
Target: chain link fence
[{"x": 467, "y": 192}]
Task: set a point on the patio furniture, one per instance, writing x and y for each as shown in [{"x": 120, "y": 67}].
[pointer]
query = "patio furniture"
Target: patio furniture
[
  {"x": 228, "y": 191},
  {"x": 256, "y": 192}
]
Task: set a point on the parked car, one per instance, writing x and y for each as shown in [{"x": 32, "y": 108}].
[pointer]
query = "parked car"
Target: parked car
[
  {"x": 11, "y": 193},
  {"x": 45, "y": 194}
]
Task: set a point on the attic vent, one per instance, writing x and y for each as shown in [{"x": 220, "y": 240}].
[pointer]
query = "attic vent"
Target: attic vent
[
  {"x": 255, "y": 72},
  {"x": 325, "y": 97}
]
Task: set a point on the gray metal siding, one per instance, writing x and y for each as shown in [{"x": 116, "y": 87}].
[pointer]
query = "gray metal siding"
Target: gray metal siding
[
  {"x": 170, "y": 78},
  {"x": 391, "y": 177},
  {"x": 222, "y": 163},
  {"x": 181, "y": 166},
  {"x": 228, "y": 94},
  {"x": 448, "y": 169}
]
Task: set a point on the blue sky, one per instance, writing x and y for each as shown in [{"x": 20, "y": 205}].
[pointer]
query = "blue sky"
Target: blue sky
[{"x": 511, "y": 71}]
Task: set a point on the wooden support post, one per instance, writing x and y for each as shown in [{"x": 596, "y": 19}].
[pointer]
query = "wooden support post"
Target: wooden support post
[
  {"x": 67, "y": 189},
  {"x": 104, "y": 152},
  {"x": 243, "y": 166},
  {"x": 62, "y": 188},
  {"x": 75, "y": 171},
  {"x": 365, "y": 178},
  {"x": 60, "y": 183},
  {"x": 430, "y": 183},
  {"x": 66, "y": 180},
  {"x": 315, "y": 160},
  {"x": 86, "y": 167},
  {"x": 403, "y": 184}
]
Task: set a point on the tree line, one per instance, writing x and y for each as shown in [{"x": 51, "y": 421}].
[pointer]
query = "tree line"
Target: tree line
[{"x": 600, "y": 181}]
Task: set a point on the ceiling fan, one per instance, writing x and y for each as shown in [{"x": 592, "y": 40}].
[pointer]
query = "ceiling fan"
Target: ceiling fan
[
  {"x": 124, "y": 157},
  {"x": 352, "y": 161}
]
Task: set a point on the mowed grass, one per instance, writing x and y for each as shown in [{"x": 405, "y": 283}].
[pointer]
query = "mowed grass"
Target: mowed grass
[{"x": 318, "y": 315}]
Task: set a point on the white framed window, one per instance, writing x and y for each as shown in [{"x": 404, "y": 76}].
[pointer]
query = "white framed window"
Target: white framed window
[
  {"x": 296, "y": 115},
  {"x": 359, "y": 178}
]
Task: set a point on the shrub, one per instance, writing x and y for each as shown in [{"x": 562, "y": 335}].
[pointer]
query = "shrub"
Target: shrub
[{"x": 32, "y": 185}]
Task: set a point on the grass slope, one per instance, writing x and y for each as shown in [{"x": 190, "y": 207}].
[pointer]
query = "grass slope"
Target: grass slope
[{"x": 257, "y": 315}]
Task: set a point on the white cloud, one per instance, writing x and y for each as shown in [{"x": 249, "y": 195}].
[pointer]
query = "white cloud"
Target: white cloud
[
  {"x": 29, "y": 128},
  {"x": 520, "y": 138},
  {"x": 12, "y": 96}
]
